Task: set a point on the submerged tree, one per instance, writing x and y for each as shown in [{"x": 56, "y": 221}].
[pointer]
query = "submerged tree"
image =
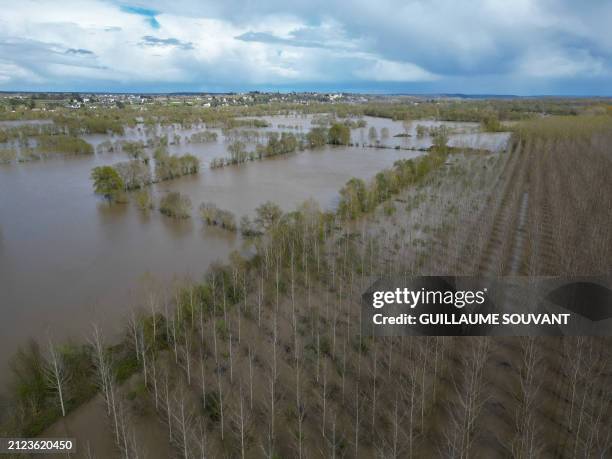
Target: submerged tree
[
  {"x": 372, "y": 134},
  {"x": 339, "y": 134},
  {"x": 212, "y": 215},
  {"x": 107, "y": 182},
  {"x": 237, "y": 151},
  {"x": 268, "y": 214},
  {"x": 407, "y": 125},
  {"x": 440, "y": 137},
  {"x": 175, "y": 205},
  {"x": 317, "y": 137},
  {"x": 144, "y": 200},
  {"x": 135, "y": 150},
  {"x": 134, "y": 174},
  {"x": 248, "y": 228},
  {"x": 168, "y": 167}
]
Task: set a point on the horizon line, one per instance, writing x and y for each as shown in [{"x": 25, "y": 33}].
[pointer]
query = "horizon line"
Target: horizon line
[{"x": 359, "y": 93}]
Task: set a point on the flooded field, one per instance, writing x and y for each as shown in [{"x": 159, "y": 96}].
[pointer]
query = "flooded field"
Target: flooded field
[
  {"x": 68, "y": 259},
  {"x": 463, "y": 134}
]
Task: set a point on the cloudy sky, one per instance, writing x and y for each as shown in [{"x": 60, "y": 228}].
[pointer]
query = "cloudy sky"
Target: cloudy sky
[{"x": 521, "y": 47}]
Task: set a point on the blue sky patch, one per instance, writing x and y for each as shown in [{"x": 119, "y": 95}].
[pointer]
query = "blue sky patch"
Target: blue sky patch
[{"x": 148, "y": 14}]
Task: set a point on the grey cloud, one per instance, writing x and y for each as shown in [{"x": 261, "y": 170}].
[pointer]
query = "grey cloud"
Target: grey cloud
[
  {"x": 79, "y": 52},
  {"x": 321, "y": 36},
  {"x": 149, "y": 40},
  {"x": 541, "y": 46},
  {"x": 39, "y": 58},
  {"x": 34, "y": 50},
  {"x": 444, "y": 36}
]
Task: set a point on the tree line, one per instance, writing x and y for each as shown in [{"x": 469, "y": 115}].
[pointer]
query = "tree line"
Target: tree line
[{"x": 112, "y": 182}]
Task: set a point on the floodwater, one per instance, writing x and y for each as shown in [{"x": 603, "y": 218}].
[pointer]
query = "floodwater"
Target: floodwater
[
  {"x": 68, "y": 259},
  {"x": 463, "y": 134},
  {"x": 17, "y": 123}
]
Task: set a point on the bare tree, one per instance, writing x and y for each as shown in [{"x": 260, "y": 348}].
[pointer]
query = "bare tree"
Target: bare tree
[
  {"x": 203, "y": 381},
  {"x": 527, "y": 441},
  {"x": 203, "y": 439},
  {"x": 174, "y": 338},
  {"x": 57, "y": 375},
  {"x": 153, "y": 308},
  {"x": 241, "y": 422},
  {"x": 133, "y": 325},
  {"x": 155, "y": 387},
  {"x": 259, "y": 299},
  {"x": 324, "y": 397},
  {"x": 251, "y": 377},
  {"x": 187, "y": 353},
  {"x": 231, "y": 360},
  {"x": 374, "y": 375},
  {"x": 574, "y": 350},
  {"x": 272, "y": 387},
  {"x": 141, "y": 351},
  {"x": 103, "y": 366},
  {"x": 593, "y": 426},
  {"x": 168, "y": 403},
  {"x": 409, "y": 388},
  {"x": 183, "y": 418},
  {"x": 214, "y": 330},
  {"x": 220, "y": 389},
  {"x": 300, "y": 407},
  {"x": 470, "y": 398},
  {"x": 394, "y": 447},
  {"x": 357, "y": 425}
]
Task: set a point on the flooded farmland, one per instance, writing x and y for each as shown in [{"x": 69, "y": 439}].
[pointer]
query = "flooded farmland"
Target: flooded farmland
[{"x": 68, "y": 259}]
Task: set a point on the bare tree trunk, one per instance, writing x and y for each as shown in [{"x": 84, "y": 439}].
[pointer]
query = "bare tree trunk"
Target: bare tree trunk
[
  {"x": 174, "y": 340},
  {"x": 133, "y": 324},
  {"x": 299, "y": 407},
  {"x": 203, "y": 440},
  {"x": 526, "y": 442},
  {"x": 251, "y": 376},
  {"x": 220, "y": 400},
  {"x": 56, "y": 375},
  {"x": 153, "y": 307},
  {"x": 187, "y": 355},
  {"x": 142, "y": 350},
  {"x": 375, "y": 363},
  {"x": 155, "y": 389},
  {"x": 259, "y": 300},
  {"x": 357, "y": 421},
  {"x": 183, "y": 418},
  {"x": 103, "y": 370},
  {"x": 470, "y": 398},
  {"x": 214, "y": 330},
  {"x": 168, "y": 405},
  {"x": 203, "y": 382},
  {"x": 231, "y": 360}
]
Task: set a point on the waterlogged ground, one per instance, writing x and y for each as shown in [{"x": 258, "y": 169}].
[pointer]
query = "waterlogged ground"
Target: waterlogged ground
[
  {"x": 464, "y": 134},
  {"x": 68, "y": 259}
]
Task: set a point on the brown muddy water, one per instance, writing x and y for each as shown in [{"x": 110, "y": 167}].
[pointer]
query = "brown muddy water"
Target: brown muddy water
[{"x": 68, "y": 259}]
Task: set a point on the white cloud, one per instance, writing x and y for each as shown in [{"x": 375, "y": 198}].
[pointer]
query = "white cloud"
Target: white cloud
[
  {"x": 549, "y": 62},
  {"x": 384, "y": 70},
  {"x": 10, "y": 72},
  {"x": 233, "y": 43}
]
